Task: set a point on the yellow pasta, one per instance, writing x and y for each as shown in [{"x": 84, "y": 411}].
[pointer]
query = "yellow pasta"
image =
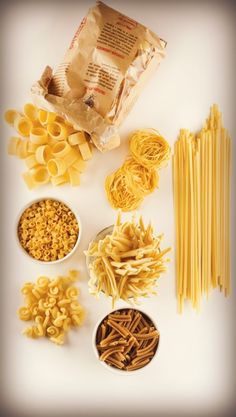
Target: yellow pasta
[
  {"x": 126, "y": 263},
  {"x": 43, "y": 154},
  {"x": 29, "y": 180},
  {"x": 60, "y": 180},
  {"x": 13, "y": 144},
  {"x": 77, "y": 138},
  {"x": 58, "y": 131},
  {"x": 31, "y": 111},
  {"x": 138, "y": 176},
  {"x": 11, "y": 115},
  {"x": 41, "y": 175},
  {"x": 32, "y": 147},
  {"x": 46, "y": 117},
  {"x": 71, "y": 157},
  {"x": 22, "y": 149},
  {"x": 79, "y": 165},
  {"x": 149, "y": 148},
  {"x": 53, "y": 143},
  {"x": 121, "y": 191},
  {"x": 23, "y": 125},
  {"x": 74, "y": 176},
  {"x": 44, "y": 301},
  {"x": 145, "y": 179},
  {"x": 61, "y": 149},
  {"x": 38, "y": 136},
  {"x": 31, "y": 161},
  {"x": 48, "y": 230},
  {"x": 56, "y": 167},
  {"x": 202, "y": 210}
]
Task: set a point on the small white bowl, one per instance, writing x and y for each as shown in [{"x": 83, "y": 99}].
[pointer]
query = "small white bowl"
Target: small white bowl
[
  {"x": 111, "y": 368},
  {"x": 74, "y": 211}
]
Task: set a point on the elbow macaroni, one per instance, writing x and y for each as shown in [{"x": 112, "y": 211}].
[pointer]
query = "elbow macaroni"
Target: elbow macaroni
[{"x": 53, "y": 150}]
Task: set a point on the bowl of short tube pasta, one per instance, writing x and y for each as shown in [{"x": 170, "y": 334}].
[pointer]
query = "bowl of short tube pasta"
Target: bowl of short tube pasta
[
  {"x": 125, "y": 260},
  {"x": 126, "y": 340},
  {"x": 48, "y": 230}
]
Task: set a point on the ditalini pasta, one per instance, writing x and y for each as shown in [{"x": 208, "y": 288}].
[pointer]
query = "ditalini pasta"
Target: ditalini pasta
[
  {"x": 47, "y": 230},
  {"x": 48, "y": 142},
  {"x": 126, "y": 339},
  {"x": 126, "y": 263},
  {"x": 52, "y": 305},
  {"x": 201, "y": 180},
  {"x": 137, "y": 177}
]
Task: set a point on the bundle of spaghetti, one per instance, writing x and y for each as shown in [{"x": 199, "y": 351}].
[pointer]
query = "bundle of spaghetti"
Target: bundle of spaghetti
[
  {"x": 149, "y": 148},
  {"x": 53, "y": 150},
  {"x": 121, "y": 191},
  {"x": 201, "y": 181},
  {"x": 127, "y": 339},
  {"x": 127, "y": 263},
  {"x": 139, "y": 173}
]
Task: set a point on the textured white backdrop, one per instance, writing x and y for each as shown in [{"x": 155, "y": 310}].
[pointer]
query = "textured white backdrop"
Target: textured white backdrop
[{"x": 193, "y": 373}]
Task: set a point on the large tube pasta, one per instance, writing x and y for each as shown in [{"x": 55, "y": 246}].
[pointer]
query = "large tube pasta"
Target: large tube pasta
[
  {"x": 46, "y": 117},
  {"x": 71, "y": 157},
  {"x": 56, "y": 167},
  {"x": 77, "y": 138},
  {"x": 57, "y": 130},
  {"x": 31, "y": 111},
  {"x": 74, "y": 176},
  {"x": 61, "y": 179},
  {"x": 23, "y": 125},
  {"x": 41, "y": 175},
  {"x": 10, "y": 116},
  {"x": 47, "y": 141},
  {"x": 79, "y": 164},
  {"x": 43, "y": 154},
  {"x": 31, "y": 161},
  {"x": 12, "y": 146},
  {"x": 38, "y": 136},
  {"x": 29, "y": 180},
  {"x": 22, "y": 149},
  {"x": 60, "y": 149}
]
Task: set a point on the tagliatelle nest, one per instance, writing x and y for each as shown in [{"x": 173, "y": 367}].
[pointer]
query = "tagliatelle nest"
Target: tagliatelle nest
[{"x": 149, "y": 148}]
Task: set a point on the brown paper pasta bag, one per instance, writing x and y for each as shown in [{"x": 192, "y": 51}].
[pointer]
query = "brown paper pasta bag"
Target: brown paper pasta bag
[{"x": 105, "y": 68}]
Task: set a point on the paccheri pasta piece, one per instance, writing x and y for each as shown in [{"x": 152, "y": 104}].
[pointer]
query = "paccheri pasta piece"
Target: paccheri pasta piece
[
  {"x": 52, "y": 305},
  {"x": 137, "y": 177},
  {"x": 47, "y": 230},
  {"x": 49, "y": 143},
  {"x": 201, "y": 179},
  {"x": 127, "y": 339},
  {"x": 126, "y": 263}
]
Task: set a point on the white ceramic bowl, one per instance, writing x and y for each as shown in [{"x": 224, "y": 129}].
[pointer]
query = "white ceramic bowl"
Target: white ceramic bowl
[
  {"x": 111, "y": 368},
  {"x": 74, "y": 211}
]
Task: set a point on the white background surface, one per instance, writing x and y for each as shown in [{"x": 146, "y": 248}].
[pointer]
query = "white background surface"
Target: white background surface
[{"x": 193, "y": 373}]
